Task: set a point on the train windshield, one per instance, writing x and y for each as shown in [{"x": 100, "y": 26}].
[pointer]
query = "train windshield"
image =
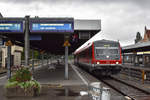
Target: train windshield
[{"x": 107, "y": 51}]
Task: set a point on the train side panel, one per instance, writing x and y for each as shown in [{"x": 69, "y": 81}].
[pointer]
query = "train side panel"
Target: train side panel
[{"x": 84, "y": 58}]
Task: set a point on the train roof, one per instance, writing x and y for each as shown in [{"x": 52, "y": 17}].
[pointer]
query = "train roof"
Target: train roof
[
  {"x": 90, "y": 44},
  {"x": 82, "y": 49}
]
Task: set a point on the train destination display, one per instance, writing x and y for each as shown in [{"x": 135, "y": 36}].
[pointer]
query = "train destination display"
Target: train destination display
[
  {"x": 52, "y": 27},
  {"x": 11, "y": 26}
]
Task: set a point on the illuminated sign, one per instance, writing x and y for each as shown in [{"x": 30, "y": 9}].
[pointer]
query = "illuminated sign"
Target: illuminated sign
[
  {"x": 51, "y": 27},
  {"x": 11, "y": 26},
  {"x": 106, "y": 45}
]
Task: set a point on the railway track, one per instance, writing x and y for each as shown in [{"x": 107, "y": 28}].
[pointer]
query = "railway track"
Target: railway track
[{"x": 125, "y": 89}]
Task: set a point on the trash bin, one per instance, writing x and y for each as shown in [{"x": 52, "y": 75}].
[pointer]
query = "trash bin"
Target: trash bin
[
  {"x": 105, "y": 93},
  {"x": 95, "y": 91}
]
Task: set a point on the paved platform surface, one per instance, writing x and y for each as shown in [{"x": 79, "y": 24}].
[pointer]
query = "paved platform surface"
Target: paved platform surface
[
  {"x": 3, "y": 70},
  {"x": 56, "y": 75},
  {"x": 54, "y": 86}
]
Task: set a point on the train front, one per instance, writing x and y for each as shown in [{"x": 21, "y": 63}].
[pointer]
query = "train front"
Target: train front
[{"x": 107, "y": 57}]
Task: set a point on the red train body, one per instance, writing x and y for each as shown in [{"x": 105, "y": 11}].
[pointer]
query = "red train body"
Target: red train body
[{"x": 102, "y": 56}]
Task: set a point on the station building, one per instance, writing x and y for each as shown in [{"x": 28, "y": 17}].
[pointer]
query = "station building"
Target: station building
[
  {"x": 15, "y": 55},
  {"x": 138, "y": 53}
]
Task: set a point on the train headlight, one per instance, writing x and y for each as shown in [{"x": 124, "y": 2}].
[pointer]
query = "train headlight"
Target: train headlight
[
  {"x": 107, "y": 56},
  {"x": 117, "y": 62},
  {"x": 97, "y": 62}
]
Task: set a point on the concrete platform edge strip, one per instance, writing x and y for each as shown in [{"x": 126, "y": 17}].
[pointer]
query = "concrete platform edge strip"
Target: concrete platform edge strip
[{"x": 84, "y": 81}]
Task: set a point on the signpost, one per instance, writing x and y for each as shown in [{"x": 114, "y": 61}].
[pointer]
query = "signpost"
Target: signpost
[
  {"x": 42, "y": 55},
  {"x": 66, "y": 44},
  {"x": 32, "y": 61},
  {"x": 9, "y": 44}
]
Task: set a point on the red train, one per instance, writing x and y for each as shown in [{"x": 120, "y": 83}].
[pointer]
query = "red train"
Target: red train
[{"x": 101, "y": 57}]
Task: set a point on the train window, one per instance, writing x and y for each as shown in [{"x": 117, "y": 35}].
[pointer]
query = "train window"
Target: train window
[
  {"x": 99, "y": 51},
  {"x": 107, "y": 53},
  {"x": 114, "y": 51}
]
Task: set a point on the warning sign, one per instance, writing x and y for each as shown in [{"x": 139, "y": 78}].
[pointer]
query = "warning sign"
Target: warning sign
[
  {"x": 67, "y": 43},
  {"x": 8, "y": 43}
]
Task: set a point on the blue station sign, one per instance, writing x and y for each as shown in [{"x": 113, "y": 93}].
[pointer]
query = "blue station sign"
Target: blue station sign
[
  {"x": 51, "y": 27},
  {"x": 11, "y": 26}
]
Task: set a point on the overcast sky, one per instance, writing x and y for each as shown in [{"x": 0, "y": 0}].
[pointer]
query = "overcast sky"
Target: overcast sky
[{"x": 121, "y": 19}]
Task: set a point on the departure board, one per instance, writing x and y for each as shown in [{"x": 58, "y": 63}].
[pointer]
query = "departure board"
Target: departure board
[
  {"x": 52, "y": 27},
  {"x": 11, "y": 26}
]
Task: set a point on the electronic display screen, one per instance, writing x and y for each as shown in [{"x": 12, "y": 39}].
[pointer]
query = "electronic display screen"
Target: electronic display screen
[
  {"x": 11, "y": 26},
  {"x": 51, "y": 27}
]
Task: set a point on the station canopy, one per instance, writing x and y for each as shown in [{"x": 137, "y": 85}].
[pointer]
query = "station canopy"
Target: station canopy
[
  {"x": 138, "y": 47},
  {"x": 48, "y": 34}
]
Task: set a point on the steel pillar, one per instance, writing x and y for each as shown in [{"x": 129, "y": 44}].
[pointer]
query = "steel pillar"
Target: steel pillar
[
  {"x": 66, "y": 62},
  {"x": 42, "y": 59},
  {"x": 9, "y": 62},
  {"x": 26, "y": 41},
  {"x": 32, "y": 61}
]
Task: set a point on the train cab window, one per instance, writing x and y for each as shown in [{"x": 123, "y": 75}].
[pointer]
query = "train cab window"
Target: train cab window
[
  {"x": 98, "y": 51},
  {"x": 106, "y": 50},
  {"x": 107, "y": 53}
]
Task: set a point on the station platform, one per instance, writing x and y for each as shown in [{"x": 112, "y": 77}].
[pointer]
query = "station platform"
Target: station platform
[
  {"x": 54, "y": 85},
  {"x": 55, "y": 74},
  {"x": 139, "y": 67},
  {"x": 3, "y": 70},
  {"x": 137, "y": 72}
]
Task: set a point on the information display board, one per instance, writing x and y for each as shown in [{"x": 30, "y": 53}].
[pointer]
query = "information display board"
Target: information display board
[
  {"x": 11, "y": 26},
  {"x": 51, "y": 27}
]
